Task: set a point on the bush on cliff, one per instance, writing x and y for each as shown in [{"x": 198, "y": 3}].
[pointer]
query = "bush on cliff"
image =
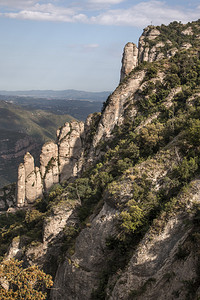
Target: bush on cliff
[{"x": 17, "y": 282}]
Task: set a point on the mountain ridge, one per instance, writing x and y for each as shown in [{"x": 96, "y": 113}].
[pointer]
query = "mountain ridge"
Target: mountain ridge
[{"x": 69, "y": 94}]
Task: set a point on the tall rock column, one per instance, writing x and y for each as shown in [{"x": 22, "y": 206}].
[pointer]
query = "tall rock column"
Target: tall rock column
[
  {"x": 49, "y": 164},
  {"x": 58, "y": 162},
  {"x": 129, "y": 59},
  {"x": 29, "y": 185},
  {"x": 70, "y": 149},
  {"x": 39, "y": 185},
  {"x": 21, "y": 186},
  {"x": 30, "y": 178}
]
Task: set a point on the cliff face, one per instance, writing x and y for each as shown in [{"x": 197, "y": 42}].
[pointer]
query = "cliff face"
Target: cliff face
[
  {"x": 129, "y": 59},
  {"x": 124, "y": 221}
]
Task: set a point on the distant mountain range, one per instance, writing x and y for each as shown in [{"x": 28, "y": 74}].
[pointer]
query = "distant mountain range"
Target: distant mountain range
[{"x": 64, "y": 94}]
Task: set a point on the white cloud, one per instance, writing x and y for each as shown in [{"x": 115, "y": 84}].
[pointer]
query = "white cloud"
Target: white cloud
[
  {"x": 91, "y": 46},
  {"x": 48, "y": 12},
  {"x": 105, "y": 1},
  {"x": 144, "y": 13},
  {"x": 139, "y": 15}
]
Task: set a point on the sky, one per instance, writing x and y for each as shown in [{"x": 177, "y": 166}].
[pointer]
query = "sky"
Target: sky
[{"x": 64, "y": 44}]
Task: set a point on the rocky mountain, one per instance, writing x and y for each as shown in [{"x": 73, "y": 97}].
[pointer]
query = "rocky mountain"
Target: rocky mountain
[{"x": 113, "y": 210}]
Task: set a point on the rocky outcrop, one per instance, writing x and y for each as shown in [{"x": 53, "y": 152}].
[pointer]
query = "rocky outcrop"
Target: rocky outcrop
[
  {"x": 49, "y": 165},
  {"x": 21, "y": 185},
  {"x": 47, "y": 253},
  {"x": 188, "y": 31},
  {"x": 151, "y": 266},
  {"x": 14, "y": 250},
  {"x": 151, "y": 47},
  {"x": 29, "y": 184},
  {"x": 129, "y": 59},
  {"x": 114, "y": 111},
  {"x": 58, "y": 162},
  {"x": 150, "y": 33},
  {"x": 133, "y": 55},
  {"x": 70, "y": 145},
  {"x": 13, "y": 147}
]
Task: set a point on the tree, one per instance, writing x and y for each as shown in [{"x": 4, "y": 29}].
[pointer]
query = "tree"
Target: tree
[
  {"x": 18, "y": 283},
  {"x": 131, "y": 218}
]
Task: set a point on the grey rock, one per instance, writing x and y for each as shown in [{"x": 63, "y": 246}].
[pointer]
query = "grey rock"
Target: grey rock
[{"x": 129, "y": 59}]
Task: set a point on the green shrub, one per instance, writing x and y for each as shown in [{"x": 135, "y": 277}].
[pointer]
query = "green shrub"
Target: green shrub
[{"x": 132, "y": 218}]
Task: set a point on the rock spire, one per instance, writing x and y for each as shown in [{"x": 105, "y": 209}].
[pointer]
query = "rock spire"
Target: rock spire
[
  {"x": 129, "y": 59},
  {"x": 58, "y": 162}
]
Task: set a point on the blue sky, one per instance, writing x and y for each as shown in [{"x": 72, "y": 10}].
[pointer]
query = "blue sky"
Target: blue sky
[{"x": 64, "y": 44}]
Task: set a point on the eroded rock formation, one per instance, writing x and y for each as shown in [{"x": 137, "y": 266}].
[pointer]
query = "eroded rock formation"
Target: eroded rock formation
[
  {"x": 129, "y": 59},
  {"x": 58, "y": 162},
  {"x": 29, "y": 185},
  {"x": 70, "y": 143},
  {"x": 151, "y": 47}
]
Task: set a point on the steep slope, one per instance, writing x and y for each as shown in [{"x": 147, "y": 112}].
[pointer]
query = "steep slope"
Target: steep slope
[{"x": 125, "y": 224}]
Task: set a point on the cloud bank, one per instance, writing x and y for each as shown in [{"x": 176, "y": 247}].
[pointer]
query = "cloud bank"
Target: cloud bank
[{"x": 138, "y": 15}]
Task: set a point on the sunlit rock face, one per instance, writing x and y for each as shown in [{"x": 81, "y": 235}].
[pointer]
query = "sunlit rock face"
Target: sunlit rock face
[
  {"x": 70, "y": 149},
  {"x": 29, "y": 185},
  {"x": 59, "y": 161},
  {"x": 49, "y": 165},
  {"x": 129, "y": 59}
]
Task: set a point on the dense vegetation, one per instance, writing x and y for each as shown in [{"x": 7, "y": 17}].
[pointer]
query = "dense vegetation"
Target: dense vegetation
[{"x": 173, "y": 37}]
